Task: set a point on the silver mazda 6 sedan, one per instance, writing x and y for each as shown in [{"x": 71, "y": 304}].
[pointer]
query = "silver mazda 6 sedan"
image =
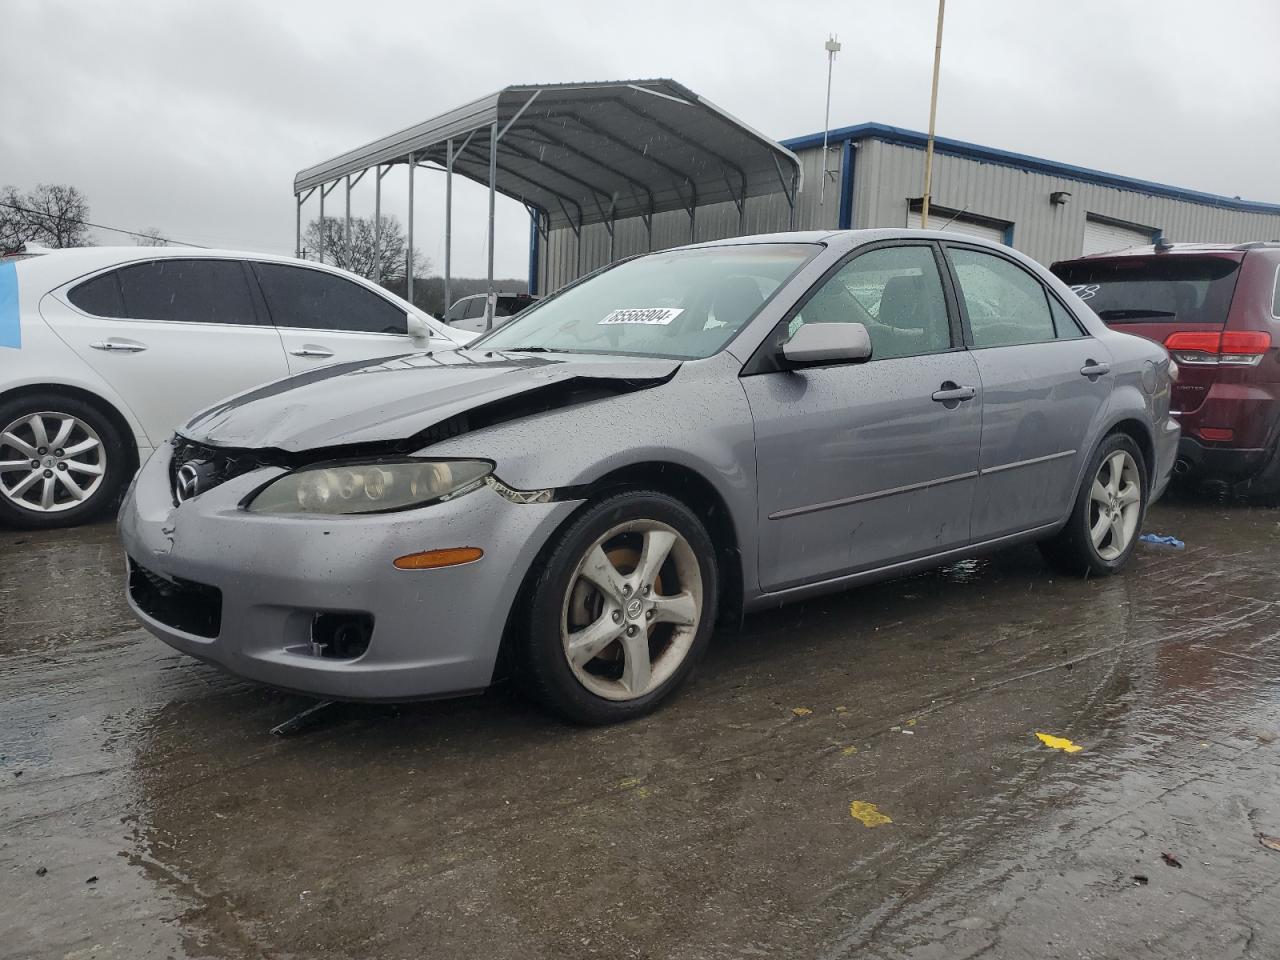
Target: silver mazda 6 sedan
[{"x": 578, "y": 498}]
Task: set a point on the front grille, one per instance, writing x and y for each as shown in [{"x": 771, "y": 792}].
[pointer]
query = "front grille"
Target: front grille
[
  {"x": 194, "y": 608},
  {"x": 210, "y": 466}
]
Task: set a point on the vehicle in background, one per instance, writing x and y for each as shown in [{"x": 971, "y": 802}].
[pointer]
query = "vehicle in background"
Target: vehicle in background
[
  {"x": 467, "y": 313},
  {"x": 1216, "y": 309},
  {"x": 677, "y": 438},
  {"x": 103, "y": 351}
]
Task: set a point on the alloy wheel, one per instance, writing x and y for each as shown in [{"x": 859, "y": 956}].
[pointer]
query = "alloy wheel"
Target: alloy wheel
[
  {"x": 1115, "y": 505},
  {"x": 50, "y": 462},
  {"x": 631, "y": 610}
]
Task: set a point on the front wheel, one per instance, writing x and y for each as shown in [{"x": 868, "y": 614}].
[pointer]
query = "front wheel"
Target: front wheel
[
  {"x": 61, "y": 461},
  {"x": 621, "y": 609},
  {"x": 1100, "y": 535}
]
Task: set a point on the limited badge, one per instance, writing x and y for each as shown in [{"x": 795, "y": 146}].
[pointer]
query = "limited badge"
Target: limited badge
[{"x": 648, "y": 316}]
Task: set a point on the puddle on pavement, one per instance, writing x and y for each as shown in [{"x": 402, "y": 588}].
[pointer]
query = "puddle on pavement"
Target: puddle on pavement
[{"x": 719, "y": 827}]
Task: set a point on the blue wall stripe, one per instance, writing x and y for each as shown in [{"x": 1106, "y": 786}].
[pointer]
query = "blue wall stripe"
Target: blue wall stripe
[
  {"x": 847, "y": 162},
  {"x": 10, "y": 319}
]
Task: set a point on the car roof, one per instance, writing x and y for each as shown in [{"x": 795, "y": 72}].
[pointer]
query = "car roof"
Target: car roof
[{"x": 94, "y": 256}]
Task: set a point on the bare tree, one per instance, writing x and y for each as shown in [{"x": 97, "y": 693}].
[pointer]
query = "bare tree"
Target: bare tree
[
  {"x": 385, "y": 260},
  {"x": 53, "y": 215},
  {"x": 150, "y": 237}
]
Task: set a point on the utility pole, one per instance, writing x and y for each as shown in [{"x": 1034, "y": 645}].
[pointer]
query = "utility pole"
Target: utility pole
[
  {"x": 833, "y": 47},
  {"x": 933, "y": 113}
]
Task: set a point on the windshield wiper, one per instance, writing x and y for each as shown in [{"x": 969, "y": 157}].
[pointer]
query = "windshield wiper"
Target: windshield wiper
[
  {"x": 527, "y": 350},
  {"x": 1134, "y": 314}
]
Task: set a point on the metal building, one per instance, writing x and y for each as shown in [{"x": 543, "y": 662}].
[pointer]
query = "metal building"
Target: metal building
[{"x": 874, "y": 173}]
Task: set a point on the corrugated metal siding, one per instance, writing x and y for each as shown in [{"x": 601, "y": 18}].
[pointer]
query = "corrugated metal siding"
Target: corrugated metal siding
[
  {"x": 886, "y": 176},
  {"x": 558, "y": 256},
  {"x": 889, "y": 174}
]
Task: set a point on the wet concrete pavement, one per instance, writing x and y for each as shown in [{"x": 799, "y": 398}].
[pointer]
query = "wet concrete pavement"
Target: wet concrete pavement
[{"x": 720, "y": 827}]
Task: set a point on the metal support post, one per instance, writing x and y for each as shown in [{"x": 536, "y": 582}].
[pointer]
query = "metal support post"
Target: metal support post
[
  {"x": 933, "y": 113},
  {"x": 408, "y": 270},
  {"x": 320, "y": 245},
  {"x": 493, "y": 183},
  {"x": 448, "y": 221},
  {"x": 346, "y": 226}
]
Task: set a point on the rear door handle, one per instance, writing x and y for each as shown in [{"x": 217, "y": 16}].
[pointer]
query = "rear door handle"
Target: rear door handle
[
  {"x": 119, "y": 345},
  {"x": 951, "y": 393},
  {"x": 310, "y": 350},
  {"x": 1092, "y": 369}
]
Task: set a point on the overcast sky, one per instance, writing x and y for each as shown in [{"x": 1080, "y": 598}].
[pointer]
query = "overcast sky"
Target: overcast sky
[{"x": 193, "y": 117}]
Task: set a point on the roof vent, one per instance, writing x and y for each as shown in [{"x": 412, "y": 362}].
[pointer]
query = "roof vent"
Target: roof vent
[{"x": 1163, "y": 244}]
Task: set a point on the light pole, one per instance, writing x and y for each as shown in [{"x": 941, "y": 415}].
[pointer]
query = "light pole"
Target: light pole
[
  {"x": 933, "y": 112},
  {"x": 833, "y": 47}
]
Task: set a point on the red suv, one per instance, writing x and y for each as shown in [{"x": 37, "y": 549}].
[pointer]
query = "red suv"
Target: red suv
[{"x": 1216, "y": 309}]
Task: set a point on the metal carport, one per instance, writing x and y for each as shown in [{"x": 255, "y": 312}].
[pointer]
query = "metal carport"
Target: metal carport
[{"x": 574, "y": 154}]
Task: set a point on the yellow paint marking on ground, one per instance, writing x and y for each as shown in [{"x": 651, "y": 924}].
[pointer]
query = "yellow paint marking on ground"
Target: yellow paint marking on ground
[
  {"x": 848, "y": 751},
  {"x": 1058, "y": 743},
  {"x": 628, "y": 782},
  {"x": 801, "y": 711},
  {"x": 868, "y": 813}
]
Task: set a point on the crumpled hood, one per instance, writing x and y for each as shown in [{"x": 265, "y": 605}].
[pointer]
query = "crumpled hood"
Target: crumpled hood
[{"x": 394, "y": 398}]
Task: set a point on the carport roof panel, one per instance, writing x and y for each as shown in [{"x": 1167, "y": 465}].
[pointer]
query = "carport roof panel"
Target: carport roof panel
[{"x": 586, "y": 152}]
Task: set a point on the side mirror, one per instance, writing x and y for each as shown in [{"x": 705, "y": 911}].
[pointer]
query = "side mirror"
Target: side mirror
[
  {"x": 822, "y": 344},
  {"x": 418, "y": 328}
]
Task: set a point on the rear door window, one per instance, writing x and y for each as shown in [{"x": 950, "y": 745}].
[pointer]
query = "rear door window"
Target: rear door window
[
  {"x": 186, "y": 291},
  {"x": 315, "y": 300},
  {"x": 1167, "y": 288},
  {"x": 1005, "y": 304}
]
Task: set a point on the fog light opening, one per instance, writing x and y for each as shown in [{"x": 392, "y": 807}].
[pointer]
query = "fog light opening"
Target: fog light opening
[{"x": 341, "y": 636}]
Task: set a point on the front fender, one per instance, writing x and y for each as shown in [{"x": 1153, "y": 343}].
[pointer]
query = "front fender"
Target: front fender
[{"x": 698, "y": 420}]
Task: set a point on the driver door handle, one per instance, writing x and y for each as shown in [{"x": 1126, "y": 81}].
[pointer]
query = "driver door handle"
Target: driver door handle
[
  {"x": 1093, "y": 369},
  {"x": 951, "y": 392},
  {"x": 310, "y": 350}
]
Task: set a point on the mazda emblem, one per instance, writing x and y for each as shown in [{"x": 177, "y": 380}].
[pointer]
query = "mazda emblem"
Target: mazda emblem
[{"x": 188, "y": 482}]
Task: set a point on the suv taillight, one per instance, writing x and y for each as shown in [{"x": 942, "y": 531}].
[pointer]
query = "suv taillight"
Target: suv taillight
[{"x": 1235, "y": 347}]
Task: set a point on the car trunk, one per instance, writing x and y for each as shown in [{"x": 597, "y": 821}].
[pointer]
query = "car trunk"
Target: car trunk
[{"x": 1168, "y": 298}]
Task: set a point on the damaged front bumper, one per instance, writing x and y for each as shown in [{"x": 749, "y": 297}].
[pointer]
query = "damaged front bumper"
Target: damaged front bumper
[{"x": 262, "y": 595}]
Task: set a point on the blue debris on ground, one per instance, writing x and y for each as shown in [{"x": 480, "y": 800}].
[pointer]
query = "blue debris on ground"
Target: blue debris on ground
[{"x": 1163, "y": 541}]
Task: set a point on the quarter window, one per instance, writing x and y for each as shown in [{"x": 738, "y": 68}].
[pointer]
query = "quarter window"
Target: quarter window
[
  {"x": 99, "y": 296},
  {"x": 315, "y": 300},
  {"x": 1004, "y": 303},
  {"x": 1064, "y": 325},
  {"x": 896, "y": 292},
  {"x": 177, "y": 291}
]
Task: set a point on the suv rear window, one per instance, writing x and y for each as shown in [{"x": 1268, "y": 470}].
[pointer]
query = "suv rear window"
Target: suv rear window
[{"x": 1160, "y": 289}]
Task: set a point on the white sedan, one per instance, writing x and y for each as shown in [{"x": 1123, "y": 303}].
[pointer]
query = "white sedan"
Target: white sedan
[{"x": 103, "y": 351}]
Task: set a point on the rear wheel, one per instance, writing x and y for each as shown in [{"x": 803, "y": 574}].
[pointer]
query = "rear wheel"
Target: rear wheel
[
  {"x": 1100, "y": 535},
  {"x": 62, "y": 461},
  {"x": 621, "y": 609}
]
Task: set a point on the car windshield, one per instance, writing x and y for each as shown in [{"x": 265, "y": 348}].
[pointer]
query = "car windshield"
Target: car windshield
[
  {"x": 1160, "y": 289},
  {"x": 685, "y": 304}
]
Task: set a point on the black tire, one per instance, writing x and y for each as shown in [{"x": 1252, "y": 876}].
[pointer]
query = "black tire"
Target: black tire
[
  {"x": 1071, "y": 550},
  {"x": 542, "y": 666},
  {"x": 117, "y": 463}
]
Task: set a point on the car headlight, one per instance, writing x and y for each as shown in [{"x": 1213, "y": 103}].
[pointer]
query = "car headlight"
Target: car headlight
[{"x": 346, "y": 488}]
